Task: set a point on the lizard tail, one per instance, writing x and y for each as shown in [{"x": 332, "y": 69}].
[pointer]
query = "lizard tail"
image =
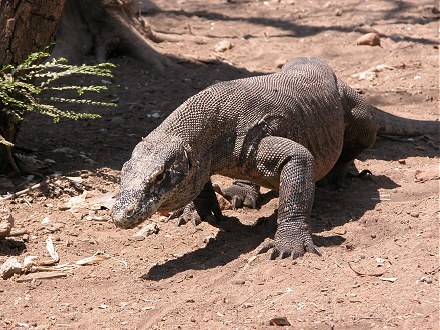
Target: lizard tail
[{"x": 389, "y": 124}]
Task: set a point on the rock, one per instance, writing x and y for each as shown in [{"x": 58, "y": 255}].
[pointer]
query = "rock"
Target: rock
[
  {"x": 75, "y": 202},
  {"x": 64, "y": 150},
  {"x": 428, "y": 174},
  {"x": 147, "y": 230},
  {"x": 239, "y": 281},
  {"x": 6, "y": 183},
  {"x": 414, "y": 214},
  {"x": 280, "y": 321},
  {"x": 6, "y": 220},
  {"x": 224, "y": 203},
  {"x": 223, "y": 46},
  {"x": 370, "y": 39},
  {"x": 102, "y": 201},
  {"x": 280, "y": 62},
  {"x": 371, "y": 73},
  {"x": 426, "y": 279},
  {"x": 10, "y": 267},
  {"x": 380, "y": 68},
  {"x": 349, "y": 246},
  {"x": 340, "y": 231},
  {"x": 367, "y": 75},
  {"x": 117, "y": 120},
  {"x": 208, "y": 239},
  {"x": 49, "y": 161}
]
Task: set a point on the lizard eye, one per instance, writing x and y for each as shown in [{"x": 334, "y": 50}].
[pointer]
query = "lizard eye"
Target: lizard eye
[{"x": 160, "y": 177}]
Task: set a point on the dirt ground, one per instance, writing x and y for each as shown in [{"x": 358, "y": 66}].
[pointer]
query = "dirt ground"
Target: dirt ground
[{"x": 379, "y": 237}]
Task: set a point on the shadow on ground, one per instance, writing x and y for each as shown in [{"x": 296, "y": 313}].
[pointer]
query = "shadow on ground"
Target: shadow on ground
[{"x": 331, "y": 209}]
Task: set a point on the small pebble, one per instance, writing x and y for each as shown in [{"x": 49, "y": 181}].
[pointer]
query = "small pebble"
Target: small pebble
[
  {"x": 117, "y": 120},
  {"x": 223, "y": 46},
  {"x": 370, "y": 39},
  {"x": 414, "y": 214},
  {"x": 280, "y": 62},
  {"x": 340, "y": 231},
  {"x": 426, "y": 279},
  {"x": 208, "y": 239},
  {"x": 349, "y": 246},
  {"x": 239, "y": 281}
]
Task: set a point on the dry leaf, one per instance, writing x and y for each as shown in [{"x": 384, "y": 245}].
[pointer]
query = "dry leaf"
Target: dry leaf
[{"x": 51, "y": 249}]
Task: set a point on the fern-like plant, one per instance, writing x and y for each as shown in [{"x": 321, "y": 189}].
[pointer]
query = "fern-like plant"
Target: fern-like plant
[{"x": 32, "y": 87}]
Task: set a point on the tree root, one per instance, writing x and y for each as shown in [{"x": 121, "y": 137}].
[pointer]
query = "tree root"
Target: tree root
[{"x": 106, "y": 28}]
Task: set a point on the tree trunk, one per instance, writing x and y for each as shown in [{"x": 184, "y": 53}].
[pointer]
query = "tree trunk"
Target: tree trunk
[
  {"x": 25, "y": 27},
  {"x": 104, "y": 28}
]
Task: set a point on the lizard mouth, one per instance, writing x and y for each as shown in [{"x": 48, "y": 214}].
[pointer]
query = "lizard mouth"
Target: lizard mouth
[{"x": 131, "y": 216}]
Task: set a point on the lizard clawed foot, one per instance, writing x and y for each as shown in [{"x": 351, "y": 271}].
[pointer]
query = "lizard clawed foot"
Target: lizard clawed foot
[
  {"x": 240, "y": 193},
  {"x": 190, "y": 214},
  {"x": 289, "y": 249},
  {"x": 185, "y": 215}
]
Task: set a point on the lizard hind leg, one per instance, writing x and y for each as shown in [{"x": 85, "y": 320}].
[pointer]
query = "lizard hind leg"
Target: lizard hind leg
[
  {"x": 340, "y": 174},
  {"x": 240, "y": 193}
]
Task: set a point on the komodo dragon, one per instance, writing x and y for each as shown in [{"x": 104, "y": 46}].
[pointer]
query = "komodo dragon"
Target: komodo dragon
[{"x": 283, "y": 131}]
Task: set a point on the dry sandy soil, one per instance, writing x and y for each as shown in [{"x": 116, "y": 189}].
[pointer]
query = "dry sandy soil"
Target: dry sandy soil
[{"x": 379, "y": 237}]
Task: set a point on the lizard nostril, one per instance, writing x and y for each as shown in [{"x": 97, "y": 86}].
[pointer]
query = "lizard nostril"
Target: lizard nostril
[{"x": 131, "y": 212}]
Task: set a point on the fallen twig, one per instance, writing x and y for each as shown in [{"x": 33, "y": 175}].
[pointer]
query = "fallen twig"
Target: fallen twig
[
  {"x": 19, "y": 232},
  {"x": 39, "y": 276},
  {"x": 365, "y": 274},
  {"x": 24, "y": 191}
]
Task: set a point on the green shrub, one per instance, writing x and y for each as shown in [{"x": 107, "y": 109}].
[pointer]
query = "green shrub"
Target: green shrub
[{"x": 31, "y": 87}]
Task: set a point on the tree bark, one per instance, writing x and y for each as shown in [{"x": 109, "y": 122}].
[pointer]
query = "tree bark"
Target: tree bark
[{"x": 25, "y": 27}]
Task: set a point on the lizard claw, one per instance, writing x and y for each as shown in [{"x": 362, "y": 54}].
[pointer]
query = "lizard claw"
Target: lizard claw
[
  {"x": 291, "y": 249},
  {"x": 185, "y": 215}
]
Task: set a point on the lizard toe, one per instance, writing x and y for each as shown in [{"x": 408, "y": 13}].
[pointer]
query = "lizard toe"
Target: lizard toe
[
  {"x": 266, "y": 247},
  {"x": 272, "y": 255},
  {"x": 312, "y": 248},
  {"x": 288, "y": 249},
  {"x": 284, "y": 254}
]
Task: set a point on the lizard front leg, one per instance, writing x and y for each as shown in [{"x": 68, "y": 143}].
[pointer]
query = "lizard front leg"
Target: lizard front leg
[
  {"x": 294, "y": 165},
  {"x": 206, "y": 203}
]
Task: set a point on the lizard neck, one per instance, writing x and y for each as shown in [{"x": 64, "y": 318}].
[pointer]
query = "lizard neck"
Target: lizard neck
[{"x": 194, "y": 122}]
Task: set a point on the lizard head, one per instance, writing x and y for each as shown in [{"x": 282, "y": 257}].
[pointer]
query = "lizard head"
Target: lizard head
[{"x": 156, "y": 178}]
